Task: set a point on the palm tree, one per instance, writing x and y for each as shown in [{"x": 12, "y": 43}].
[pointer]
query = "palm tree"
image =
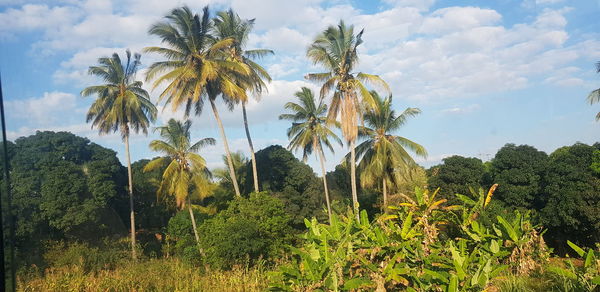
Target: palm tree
[
  {"x": 336, "y": 50},
  {"x": 382, "y": 154},
  {"x": 185, "y": 173},
  {"x": 229, "y": 25},
  {"x": 239, "y": 163},
  {"x": 594, "y": 96},
  {"x": 310, "y": 131},
  {"x": 121, "y": 105},
  {"x": 197, "y": 67}
]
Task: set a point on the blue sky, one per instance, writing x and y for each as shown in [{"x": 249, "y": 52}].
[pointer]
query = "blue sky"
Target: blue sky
[{"x": 484, "y": 73}]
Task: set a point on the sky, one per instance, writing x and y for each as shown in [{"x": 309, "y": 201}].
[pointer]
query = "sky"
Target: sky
[{"x": 483, "y": 73}]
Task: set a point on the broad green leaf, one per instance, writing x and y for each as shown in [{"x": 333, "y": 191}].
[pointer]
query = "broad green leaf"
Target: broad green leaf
[
  {"x": 589, "y": 259},
  {"x": 494, "y": 246},
  {"x": 576, "y": 248},
  {"x": 509, "y": 229},
  {"x": 356, "y": 283},
  {"x": 453, "y": 285},
  {"x": 562, "y": 272}
]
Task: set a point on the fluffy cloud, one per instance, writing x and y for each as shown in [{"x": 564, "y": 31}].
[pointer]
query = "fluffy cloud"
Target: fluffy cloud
[{"x": 47, "y": 109}]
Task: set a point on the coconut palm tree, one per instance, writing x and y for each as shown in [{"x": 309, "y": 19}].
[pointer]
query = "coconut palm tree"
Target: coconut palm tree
[
  {"x": 382, "y": 154},
  {"x": 229, "y": 25},
  {"x": 121, "y": 105},
  {"x": 197, "y": 67},
  {"x": 185, "y": 174},
  {"x": 239, "y": 163},
  {"x": 594, "y": 96},
  {"x": 336, "y": 50},
  {"x": 310, "y": 131}
]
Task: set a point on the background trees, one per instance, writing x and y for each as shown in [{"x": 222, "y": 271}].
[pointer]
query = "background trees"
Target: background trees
[
  {"x": 456, "y": 175},
  {"x": 121, "y": 105}
]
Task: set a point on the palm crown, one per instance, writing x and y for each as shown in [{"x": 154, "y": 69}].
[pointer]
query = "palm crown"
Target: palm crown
[
  {"x": 382, "y": 152},
  {"x": 594, "y": 96},
  {"x": 197, "y": 64},
  {"x": 336, "y": 50},
  {"x": 309, "y": 130},
  {"x": 121, "y": 104},
  {"x": 186, "y": 169}
]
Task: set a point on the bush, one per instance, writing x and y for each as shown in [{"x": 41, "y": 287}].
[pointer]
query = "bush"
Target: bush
[
  {"x": 85, "y": 257},
  {"x": 180, "y": 236},
  {"x": 250, "y": 229}
]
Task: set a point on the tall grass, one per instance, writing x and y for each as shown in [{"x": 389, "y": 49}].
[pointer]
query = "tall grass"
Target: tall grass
[{"x": 151, "y": 275}]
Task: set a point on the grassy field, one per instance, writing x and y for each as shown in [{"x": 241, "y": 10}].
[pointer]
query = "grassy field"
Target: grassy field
[{"x": 150, "y": 275}]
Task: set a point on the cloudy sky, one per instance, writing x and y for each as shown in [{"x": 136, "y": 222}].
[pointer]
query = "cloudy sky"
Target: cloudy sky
[{"x": 484, "y": 73}]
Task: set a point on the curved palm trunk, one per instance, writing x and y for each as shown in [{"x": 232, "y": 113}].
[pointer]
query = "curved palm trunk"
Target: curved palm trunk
[
  {"x": 254, "y": 171},
  {"x": 226, "y": 145},
  {"x": 322, "y": 160},
  {"x": 353, "y": 179},
  {"x": 193, "y": 218},
  {"x": 131, "y": 211},
  {"x": 384, "y": 187}
]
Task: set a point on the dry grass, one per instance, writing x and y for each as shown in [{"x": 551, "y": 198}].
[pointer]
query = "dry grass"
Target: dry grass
[{"x": 151, "y": 275}]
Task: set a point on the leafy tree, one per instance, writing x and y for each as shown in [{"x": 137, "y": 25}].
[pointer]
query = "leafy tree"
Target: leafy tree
[
  {"x": 336, "y": 50},
  {"x": 290, "y": 180},
  {"x": 153, "y": 212},
  {"x": 250, "y": 229},
  {"x": 518, "y": 171},
  {"x": 455, "y": 176},
  {"x": 229, "y": 25},
  {"x": 383, "y": 154},
  {"x": 121, "y": 105},
  {"x": 185, "y": 174},
  {"x": 309, "y": 131},
  {"x": 64, "y": 187},
  {"x": 197, "y": 67},
  {"x": 571, "y": 195},
  {"x": 594, "y": 96}
]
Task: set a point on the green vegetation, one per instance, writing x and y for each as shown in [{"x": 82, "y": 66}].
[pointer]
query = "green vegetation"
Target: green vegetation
[{"x": 524, "y": 221}]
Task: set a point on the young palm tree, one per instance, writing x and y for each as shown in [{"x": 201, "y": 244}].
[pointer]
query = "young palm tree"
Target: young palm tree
[
  {"x": 229, "y": 25},
  {"x": 336, "y": 50},
  {"x": 197, "y": 67},
  {"x": 121, "y": 105},
  {"x": 239, "y": 162},
  {"x": 382, "y": 154},
  {"x": 594, "y": 96},
  {"x": 310, "y": 131},
  {"x": 185, "y": 173}
]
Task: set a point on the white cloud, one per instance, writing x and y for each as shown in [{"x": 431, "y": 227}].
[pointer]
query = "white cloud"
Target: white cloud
[
  {"x": 36, "y": 16},
  {"x": 47, "y": 109},
  {"x": 461, "y": 110},
  {"x": 451, "y": 19}
]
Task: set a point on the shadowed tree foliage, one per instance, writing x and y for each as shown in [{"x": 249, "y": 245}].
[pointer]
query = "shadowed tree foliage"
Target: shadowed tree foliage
[
  {"x": 65, "y": 187},
  {"x": 518, "y": 171},
  {"x": 310, "y": 131},
  {"x": 572, "y": 197},
  {"x": 121, "y": 105},
  {"x": 290, "y": 180},
  {"x": 335, "y": 49},
  {"x": 455, "y": 176},
  {"x": 197, "y": 67}
]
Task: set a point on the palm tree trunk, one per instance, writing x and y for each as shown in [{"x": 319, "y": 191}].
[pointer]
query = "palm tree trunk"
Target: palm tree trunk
[
  {"x": 227, "y": 152},
  {"x": 322, "y": 159},
  {"x": 353, "y": 179},
  {"x": 384, "y": 187},
  {"x": 254, "y": 171},
  {"x": 194, "y": 226},
  {"x": 131, "y": 211}
]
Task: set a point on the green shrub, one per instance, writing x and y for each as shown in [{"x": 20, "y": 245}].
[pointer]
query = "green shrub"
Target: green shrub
[
  {"x": 248, "y": 230},
  {"x": 87, "y": 258},
  {"x": 180, "y": 239}
]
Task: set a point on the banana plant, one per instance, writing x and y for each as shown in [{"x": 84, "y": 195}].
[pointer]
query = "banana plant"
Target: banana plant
[{"x": 585, "y": 277}]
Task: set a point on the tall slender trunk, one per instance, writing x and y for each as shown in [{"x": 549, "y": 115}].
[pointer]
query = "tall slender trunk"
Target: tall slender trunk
[
  {"x": 353, "y": 179},
  {"x": 193, "y": 218},
  {"x": 322, "y": 159},
  {"x": 131, "y": 211},
  {"x": 384, "y": 188},
  {"x": 227, "y": 152},
  {"x": 254, "y": 171}
]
